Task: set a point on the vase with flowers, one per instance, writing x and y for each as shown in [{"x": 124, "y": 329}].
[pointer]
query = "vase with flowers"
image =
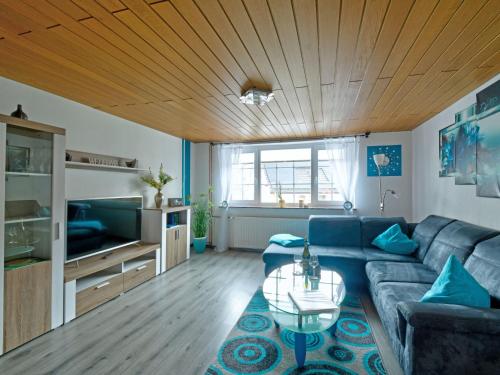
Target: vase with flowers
[{"x": 158, "y": 184}]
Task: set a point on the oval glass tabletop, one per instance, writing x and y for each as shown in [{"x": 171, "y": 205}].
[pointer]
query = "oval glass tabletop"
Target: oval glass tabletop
[{"x": 285, "y": 279}]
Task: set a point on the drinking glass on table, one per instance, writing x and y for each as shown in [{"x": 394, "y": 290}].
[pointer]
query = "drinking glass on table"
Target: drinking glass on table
[
  {"x": 297, "y": 258},
  {"x": 314, "y": 263}
]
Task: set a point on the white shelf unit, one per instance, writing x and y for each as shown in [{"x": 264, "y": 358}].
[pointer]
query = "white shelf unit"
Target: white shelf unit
[
  {"x": 97, "y": 273},
  {"x": 44, "y": 147},
  {"x": 154, "y": 229},
  {"x": 81, "y": 165}
]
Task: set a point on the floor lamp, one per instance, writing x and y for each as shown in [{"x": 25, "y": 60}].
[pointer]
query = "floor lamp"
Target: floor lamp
[{"x": 382, "y": 160}]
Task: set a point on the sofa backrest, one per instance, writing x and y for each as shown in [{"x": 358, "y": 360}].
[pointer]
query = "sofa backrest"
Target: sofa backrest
[
  {"x": 425, "y": 232},
  {"x": 457, "y": 238},
  {"x": 372, "y": 226},
  {"x": 484, "y": 265},
  {"x": 332, "y": 230}
]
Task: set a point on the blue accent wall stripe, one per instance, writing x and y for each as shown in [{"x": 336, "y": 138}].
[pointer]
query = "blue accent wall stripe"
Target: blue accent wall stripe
[{"x": 186, "y": 170}]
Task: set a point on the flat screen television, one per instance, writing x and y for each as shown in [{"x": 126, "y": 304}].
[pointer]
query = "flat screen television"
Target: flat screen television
[{"x": 101, "y": 224}]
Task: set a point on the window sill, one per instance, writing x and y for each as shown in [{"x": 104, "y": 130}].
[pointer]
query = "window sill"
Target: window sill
[{"x": 290, "y": 208}]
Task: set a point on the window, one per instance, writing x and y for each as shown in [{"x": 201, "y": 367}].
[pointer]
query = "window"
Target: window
[
  {"x": 288, "y": 171},
  {"x": 327, "y": 192},
  {"x": 300, "y": 170},
  {"x": 242, "y": 178}
]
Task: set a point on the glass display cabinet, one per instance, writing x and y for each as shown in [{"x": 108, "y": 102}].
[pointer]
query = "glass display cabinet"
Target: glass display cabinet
[{"x": 32, "y": 247}]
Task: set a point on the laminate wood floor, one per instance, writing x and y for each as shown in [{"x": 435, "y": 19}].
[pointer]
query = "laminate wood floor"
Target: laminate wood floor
[{"x": 171, "y": 325}]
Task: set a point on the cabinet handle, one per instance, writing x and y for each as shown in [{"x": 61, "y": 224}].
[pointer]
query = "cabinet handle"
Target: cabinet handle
[
  {"x": 140, "y": 268},
  {"x": 102, "y": 285},
  {"x": 57, "y": 231}
]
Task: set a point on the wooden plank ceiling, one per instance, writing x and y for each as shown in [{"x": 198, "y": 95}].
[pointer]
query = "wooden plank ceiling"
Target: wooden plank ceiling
[{"x": 336, "y": 66}]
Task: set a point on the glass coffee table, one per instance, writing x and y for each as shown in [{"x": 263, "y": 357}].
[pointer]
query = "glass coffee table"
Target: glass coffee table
[{"x": 285, "y": 313}]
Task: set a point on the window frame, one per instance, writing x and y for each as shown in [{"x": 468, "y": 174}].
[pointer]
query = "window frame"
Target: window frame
[{"x": 256, "y": 149}]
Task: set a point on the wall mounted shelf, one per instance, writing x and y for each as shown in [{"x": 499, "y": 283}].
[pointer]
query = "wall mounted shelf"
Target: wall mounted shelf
[
  {"x": 81, "y": 165},
  {"x": 87, "y": 160}
]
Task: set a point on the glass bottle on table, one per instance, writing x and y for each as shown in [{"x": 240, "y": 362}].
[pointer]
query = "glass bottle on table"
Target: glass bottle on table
[{"x": 306, "y": 256}]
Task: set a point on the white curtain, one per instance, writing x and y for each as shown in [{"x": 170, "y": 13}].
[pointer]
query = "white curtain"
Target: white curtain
[
  {"x": 343, "y": 154},
  {"x": 227, "y": 155}
]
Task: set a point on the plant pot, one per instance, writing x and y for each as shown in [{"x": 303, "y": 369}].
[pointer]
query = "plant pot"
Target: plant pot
[
  {"x": 200, "y": 243},
  {"x": 282, "y": 203},
  {"x": 159, "y": 199}
]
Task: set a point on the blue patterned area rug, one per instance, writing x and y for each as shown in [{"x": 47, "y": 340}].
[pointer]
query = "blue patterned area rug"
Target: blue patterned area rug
[{"x": 255, "y": 346}]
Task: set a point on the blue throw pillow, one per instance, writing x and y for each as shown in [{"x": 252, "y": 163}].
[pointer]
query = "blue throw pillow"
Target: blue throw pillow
[
  {"x": 287, "y": 240},
  {"x": 456, "y": 286},
  {"x": 394, "y": 241}
]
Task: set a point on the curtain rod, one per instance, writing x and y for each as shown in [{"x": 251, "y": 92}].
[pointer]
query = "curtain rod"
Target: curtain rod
[{"x": 306, "y": 140}]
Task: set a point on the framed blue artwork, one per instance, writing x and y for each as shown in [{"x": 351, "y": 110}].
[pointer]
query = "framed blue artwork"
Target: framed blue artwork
[{"x": 393, "y": 152}]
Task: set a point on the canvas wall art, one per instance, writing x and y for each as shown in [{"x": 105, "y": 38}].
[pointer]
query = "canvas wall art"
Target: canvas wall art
[
  {"x": 465, "y": 146},
  {"x": 447, "y": 150},
  {"x": 395, "y": 161},
  {"x": 488, "y": 141}
]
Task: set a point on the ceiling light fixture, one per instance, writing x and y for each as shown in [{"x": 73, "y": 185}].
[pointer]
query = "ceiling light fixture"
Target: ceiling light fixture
[{"x": 256, "y": 97}]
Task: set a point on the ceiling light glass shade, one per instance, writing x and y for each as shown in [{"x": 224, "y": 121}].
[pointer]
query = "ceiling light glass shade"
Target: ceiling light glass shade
[{"x": 256, "y": 97}]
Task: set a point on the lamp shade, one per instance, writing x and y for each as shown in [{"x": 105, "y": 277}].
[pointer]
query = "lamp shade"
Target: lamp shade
[{"x": 380, "y": 160}]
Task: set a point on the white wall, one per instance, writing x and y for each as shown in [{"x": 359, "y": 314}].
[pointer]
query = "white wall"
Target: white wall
[
  {"x": 439, "y": 195},
  {"x": 200, "y": 156},
  {"x": 90, "y": 130},
  {"x": 367, "y": 191}
]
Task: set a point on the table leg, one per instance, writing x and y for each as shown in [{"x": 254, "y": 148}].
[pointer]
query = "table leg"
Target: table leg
[
  {"x": 300, "y": 348},
  {"x": 333, "y": 329},
  {"x": 277, "y": 324}
]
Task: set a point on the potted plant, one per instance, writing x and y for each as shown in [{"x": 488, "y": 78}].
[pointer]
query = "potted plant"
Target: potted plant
[
  {"x": 158, "y": 184},
  {"x": 202, "y": 215},
  {"x": 281, "y": 201}
]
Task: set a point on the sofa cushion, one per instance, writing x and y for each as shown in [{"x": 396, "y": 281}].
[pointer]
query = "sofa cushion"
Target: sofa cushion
[
  {"x": 457, "y": 238},
  {"x": 275, "y": 256},
  {"x": 387, "y": 295},
  {"x": 425, "y": 232},
  {"x": 394, "y": 241},
  {"x": 377, "y": 254},
  {"x": 349, "y": 262},
  {"x": 371, "y": 227},
  {"x": 456, "y": 286},
  {"x": 484, "y": 265},
  {"x": 332, "y": 230},
  {"x": 378, "y": 272}
]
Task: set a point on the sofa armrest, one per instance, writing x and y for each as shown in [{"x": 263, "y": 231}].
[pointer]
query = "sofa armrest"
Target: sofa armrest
[
  {"x": 460, "y": 319},
  {"x": 448, "y": 339}
]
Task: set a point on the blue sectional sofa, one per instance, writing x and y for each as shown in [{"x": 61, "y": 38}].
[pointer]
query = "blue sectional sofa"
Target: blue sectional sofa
[{"x": 427, "y": 338}]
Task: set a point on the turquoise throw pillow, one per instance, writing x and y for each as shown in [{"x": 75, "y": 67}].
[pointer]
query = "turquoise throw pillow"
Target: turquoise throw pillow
[
  {"x": 287, "y": 240},
  {"x": 456, "y": 286},
  {"x": 394, "y": 241}
]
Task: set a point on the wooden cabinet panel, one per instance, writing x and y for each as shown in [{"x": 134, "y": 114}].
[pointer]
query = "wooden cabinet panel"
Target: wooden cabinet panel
[
  {"x": 91, "y": 297},
  {"x": 139, "y": 274},
  {"x": 77, "y": 269},
  {"x": 181, "y": 244},
  {"x": 171, "y": 248},
  {"x": 27, "y": 306}
]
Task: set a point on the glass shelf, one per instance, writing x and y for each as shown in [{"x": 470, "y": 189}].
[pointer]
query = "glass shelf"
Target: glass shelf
[
  {"x": 25, "y": 220},
  {"x": 27, "y": 174},
  {"x": 28, "y": 194}
]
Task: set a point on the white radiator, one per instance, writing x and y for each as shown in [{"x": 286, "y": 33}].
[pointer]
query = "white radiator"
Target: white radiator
[{"x": 249, "y": 232}]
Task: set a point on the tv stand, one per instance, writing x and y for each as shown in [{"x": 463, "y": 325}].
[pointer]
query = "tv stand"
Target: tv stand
[{"x": 92, "y": 281}]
